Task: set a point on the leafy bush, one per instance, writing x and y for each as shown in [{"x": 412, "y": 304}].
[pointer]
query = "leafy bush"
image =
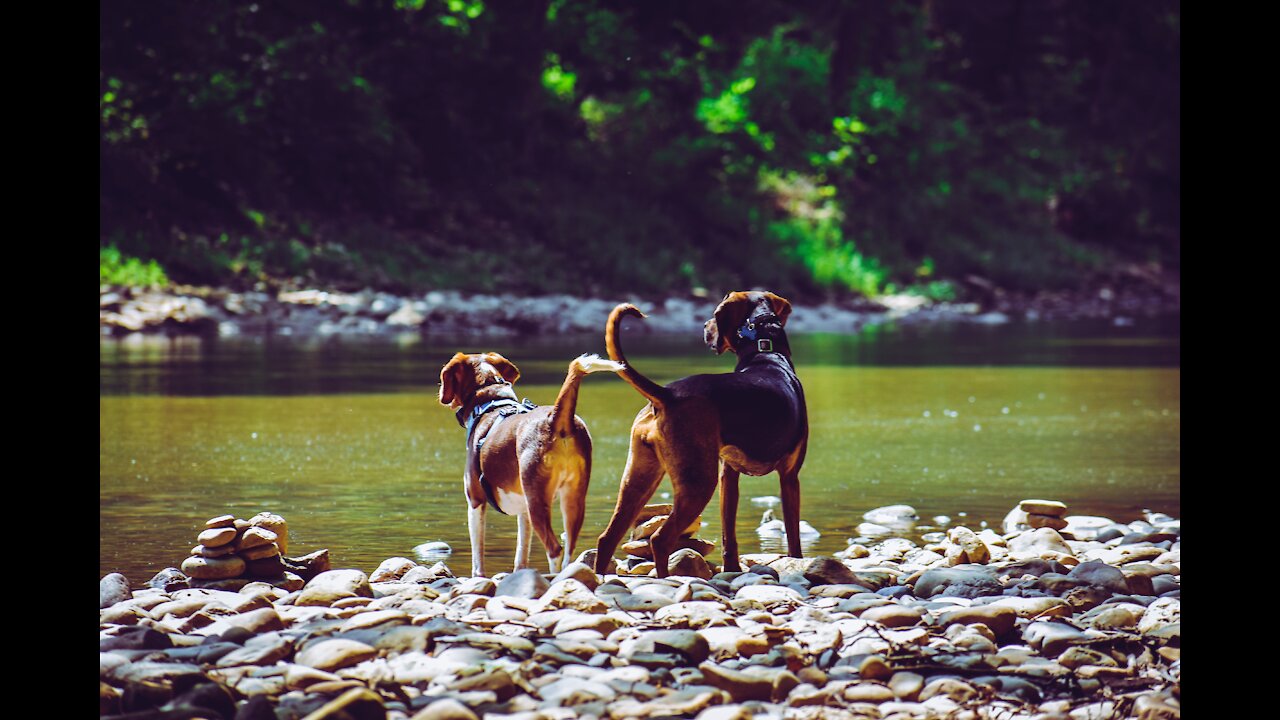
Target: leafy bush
[{"x": 115, "y": 268}]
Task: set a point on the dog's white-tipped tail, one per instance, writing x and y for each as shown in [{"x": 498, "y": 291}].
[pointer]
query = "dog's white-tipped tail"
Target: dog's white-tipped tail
[
  {"x": 591, "y": 363},
  {"x": 567, "y": 400}
]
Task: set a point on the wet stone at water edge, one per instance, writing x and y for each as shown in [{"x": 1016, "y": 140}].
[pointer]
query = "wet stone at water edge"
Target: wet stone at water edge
[{"x": 1035, "y": 622}]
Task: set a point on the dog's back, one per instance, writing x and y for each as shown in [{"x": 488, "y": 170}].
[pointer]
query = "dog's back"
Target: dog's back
[{"x": 760, "y": 409}]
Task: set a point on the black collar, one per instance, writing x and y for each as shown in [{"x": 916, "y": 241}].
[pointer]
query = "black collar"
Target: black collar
[{"x": 756, "y": 328}]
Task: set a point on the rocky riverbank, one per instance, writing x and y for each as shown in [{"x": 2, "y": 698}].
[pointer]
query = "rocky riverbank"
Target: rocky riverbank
[
  {"x": 1058, "y": 616},
  {"x": 289, "y": 310}
]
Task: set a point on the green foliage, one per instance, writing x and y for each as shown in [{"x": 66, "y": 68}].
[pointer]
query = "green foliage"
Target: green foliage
[
  {"x": 557, "y": 80},
  {"x": 600, "y": 146},
  {"x": 115, "y": 268}
]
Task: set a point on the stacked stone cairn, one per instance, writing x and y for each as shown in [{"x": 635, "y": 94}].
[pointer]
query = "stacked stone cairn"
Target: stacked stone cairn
[
  {"x": 232, "y": 552},
  {"x": 689, "y": 557},
  {"x": 1035, "y": 514}
]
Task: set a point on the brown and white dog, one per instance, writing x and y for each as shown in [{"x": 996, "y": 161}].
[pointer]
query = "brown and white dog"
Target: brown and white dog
[
  {"x": 752, "y": 420},
  {"x": 520, "y": 457}
]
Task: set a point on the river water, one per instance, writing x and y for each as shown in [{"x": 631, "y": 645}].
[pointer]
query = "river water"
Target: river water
[{"x": 346, "y": 440}]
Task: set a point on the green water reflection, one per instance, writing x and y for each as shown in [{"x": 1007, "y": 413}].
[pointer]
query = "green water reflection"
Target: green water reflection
[{"x": 347, "y": 441}]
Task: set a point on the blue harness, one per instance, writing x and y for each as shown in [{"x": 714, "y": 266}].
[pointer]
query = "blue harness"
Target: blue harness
[{"x": 507, "y": 408}]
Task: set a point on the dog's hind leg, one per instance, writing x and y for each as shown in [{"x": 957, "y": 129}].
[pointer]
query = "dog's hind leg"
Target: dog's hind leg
[
  {"x": 475, "y": 527},
  {"x": 524, "y": 539},
  {"x": 639, "y": 479},
  {"x": 538, "y": 495},
  {"x": 791, "y": 512},
  {"x": 694, "y": 484},
  {"x": 789, "y": 480},
  {"x": 729, "y": 517},
  {"x": 573, "y": 502}
]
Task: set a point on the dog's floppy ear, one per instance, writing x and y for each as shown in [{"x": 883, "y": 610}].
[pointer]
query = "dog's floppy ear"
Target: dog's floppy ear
[
  {"x": 728, "y": 317},
  {"x": 781, "y": 306},
  {"x": 712, "y": 336},
  {"x": 453, "y": 378},
  {"x": 505, "y": 367}
]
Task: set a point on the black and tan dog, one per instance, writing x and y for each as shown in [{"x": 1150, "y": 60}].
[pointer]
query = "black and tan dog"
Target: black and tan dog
[
  {"x": 752, "y": 420},
  {"x": 521, "y": 457}
]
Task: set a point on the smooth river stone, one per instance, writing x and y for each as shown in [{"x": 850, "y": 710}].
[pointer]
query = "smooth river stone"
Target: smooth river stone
[
  {"x": 221, "y": 521},
  {"x": 1000, "y": 619},
  {"x": 266, "y": 649},
  {"x": 1039, "y": 540},
  {"x": 951, "y": 688},
  {"x": 1087, "y": 527},
  {"x": 1101, "y": 575},
  {"x": 268, "y": 567},
  {"x": 358, "y": 702},
  {"x": 1075, "y": 657},
  {"x": 868, "y": 692},
  {"x": 650, "y": 526},
  {"x": 647, "y": 528},
  {"x": 906, "y": 685},
  {"x": 446, "y": 709},
  {"x": 769, "y": 595},
  {"x": 579, "y": 571},
  {"x": 894, "y": 616},
  {"x": 1161, "y": 613},
  {"x": 212, "y": 552},
  {"x": 1117, "y": 616},
  {"x": 693, "y": 614},
  {"x": 894, "y": 515},
  {"x": 648, "y": 512},
  {"x": 113, "y": 588},
  {"x": 274, "y": 523},
  {"x": 686, "y": 562},
  {"x": 216, "y": 537},
  {"x": 1043, "y": 507},
  {"x": 335, "y": 654},
  {"x": 1045, "y": 521},
  {"x": 334, "y": 585},
  {"x": 603, "y": 624},
  {"x": 829, "y": 571},
  {"x": 739, "y": 685},
  {"x": 687, "y": 643},
  {"x": 725, "y": 641},
  {"x": 255, "y": 537},
  {"x": 203, "y": 568},
  {"x": 961, "y": 581},
  {"x": 975, "y": 551},
  {"x": 524, "y": 583},
  {"x": 1051, "y": 638},
  {"x": 569, "y": 594},
  {"x": 1029, "y": 607},
  {"x": 261, "y": 552},
  {"x": 392, "y": 569}
]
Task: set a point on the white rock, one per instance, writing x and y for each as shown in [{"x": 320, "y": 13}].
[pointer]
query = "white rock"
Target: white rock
[{"x": 892, "y": 515}]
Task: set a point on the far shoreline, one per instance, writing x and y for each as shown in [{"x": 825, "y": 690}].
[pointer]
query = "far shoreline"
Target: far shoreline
[{"x": 312, "y": 312}]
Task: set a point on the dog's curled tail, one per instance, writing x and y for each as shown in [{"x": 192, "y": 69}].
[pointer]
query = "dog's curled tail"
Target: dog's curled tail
[
  {"x": 567, "y": 401},
  {"x": 655, "y": 393}
]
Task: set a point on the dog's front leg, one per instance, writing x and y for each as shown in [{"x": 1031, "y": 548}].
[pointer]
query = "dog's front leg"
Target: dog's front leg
[
  {"x": 475, "y": 526},
  {"x": 729, "y": 517}
]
